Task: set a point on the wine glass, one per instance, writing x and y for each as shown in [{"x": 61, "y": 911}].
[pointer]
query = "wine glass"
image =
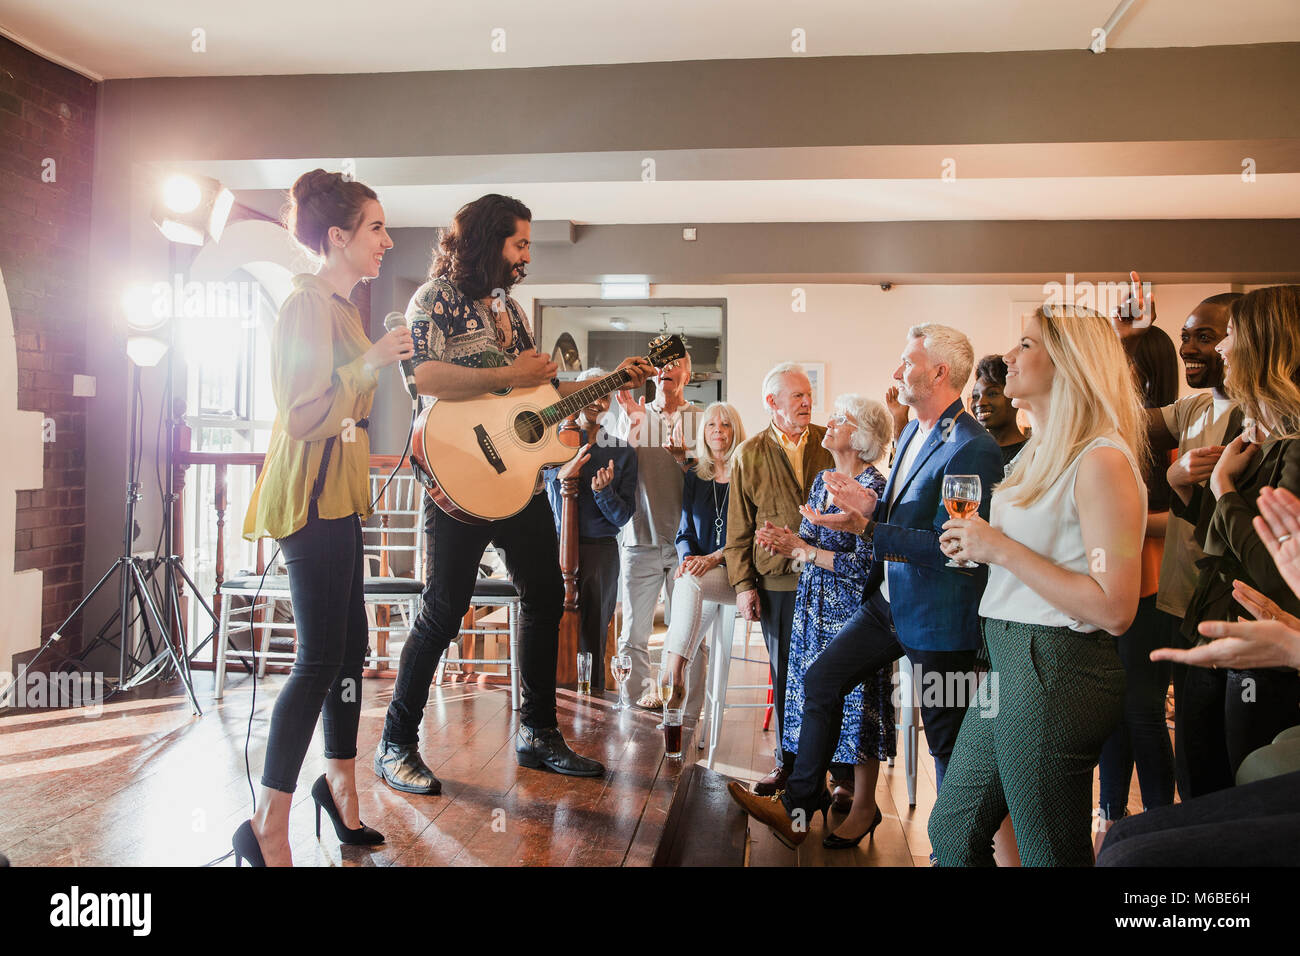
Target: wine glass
[
  {"x": 961, "y": 496},
  {"x": 621, "y": 666},
  {"x": 665, "y": 691}
]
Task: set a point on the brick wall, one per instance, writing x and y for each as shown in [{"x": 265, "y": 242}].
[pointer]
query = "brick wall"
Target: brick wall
[{"x": 48, "y": 112}]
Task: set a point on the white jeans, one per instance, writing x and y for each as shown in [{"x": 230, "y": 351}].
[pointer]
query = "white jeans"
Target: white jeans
[
  {"x": 647, "y": 569},
  {"x": 697, "y": 602}
]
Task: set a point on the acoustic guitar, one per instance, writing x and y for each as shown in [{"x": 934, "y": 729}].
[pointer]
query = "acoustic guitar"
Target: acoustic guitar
[{"x": 479, "y": 459}]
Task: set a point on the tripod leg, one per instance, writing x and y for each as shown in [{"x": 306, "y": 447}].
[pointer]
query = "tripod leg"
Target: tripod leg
[
  {"x": 181, "y": 636},
  {"x": 143, "y": 591},
  {"x": 216, "y": 624}
]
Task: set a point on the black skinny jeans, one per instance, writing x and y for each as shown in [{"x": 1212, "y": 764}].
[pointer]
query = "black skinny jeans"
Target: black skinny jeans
[
  {"x": 532, "y": 556},
  {"x": 327, "y": 580},
  {"x": 1224, "y": 715},
  {"x": 1142, "y": 735}
]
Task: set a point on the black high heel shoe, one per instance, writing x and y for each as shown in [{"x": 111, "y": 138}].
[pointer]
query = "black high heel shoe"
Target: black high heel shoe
[
  {"x": 246, "y": 847},
  {"x": 361, "y": 836},
  {"x": 833, "y": 842}
]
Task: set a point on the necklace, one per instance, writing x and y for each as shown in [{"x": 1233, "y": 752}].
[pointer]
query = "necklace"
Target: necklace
[{"x": 719, "y": 522}]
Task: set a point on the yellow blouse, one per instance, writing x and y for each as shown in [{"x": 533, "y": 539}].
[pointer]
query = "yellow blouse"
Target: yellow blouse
[{"x": 322, "y": 388}]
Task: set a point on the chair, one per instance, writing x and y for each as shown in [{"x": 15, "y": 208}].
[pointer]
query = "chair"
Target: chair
[
  {"x": 383, "y": 590},
  {"x": 721, "y": 638}
]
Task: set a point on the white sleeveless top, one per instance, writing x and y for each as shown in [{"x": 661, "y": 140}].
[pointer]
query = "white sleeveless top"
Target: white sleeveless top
[{"x": 1051, "y": 528}]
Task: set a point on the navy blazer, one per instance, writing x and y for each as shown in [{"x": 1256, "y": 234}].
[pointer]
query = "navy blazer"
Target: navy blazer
[{"x": 935, "y": 608}]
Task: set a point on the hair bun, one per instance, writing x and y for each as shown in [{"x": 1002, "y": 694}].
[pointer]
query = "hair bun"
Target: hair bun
[{"x": 315, "y": 182}]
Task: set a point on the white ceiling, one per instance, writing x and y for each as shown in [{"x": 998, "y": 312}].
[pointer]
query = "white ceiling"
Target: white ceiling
[{"x": 141, "y": 38}]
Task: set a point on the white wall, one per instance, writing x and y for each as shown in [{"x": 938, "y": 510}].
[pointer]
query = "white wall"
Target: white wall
[
  {"x": 857, "y": 331},
  {"x": 20, "y": 593}
]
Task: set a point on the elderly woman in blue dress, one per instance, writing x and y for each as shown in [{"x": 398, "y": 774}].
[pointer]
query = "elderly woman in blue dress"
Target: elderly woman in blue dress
[{"x": 830, "y": 591}]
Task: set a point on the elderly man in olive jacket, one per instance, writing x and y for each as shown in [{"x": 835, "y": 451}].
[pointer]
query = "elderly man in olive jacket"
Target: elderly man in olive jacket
[{"x": 771, "y": 478}]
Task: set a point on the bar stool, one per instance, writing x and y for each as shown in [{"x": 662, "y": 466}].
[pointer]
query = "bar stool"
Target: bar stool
[{"x": 721, "y": 638}]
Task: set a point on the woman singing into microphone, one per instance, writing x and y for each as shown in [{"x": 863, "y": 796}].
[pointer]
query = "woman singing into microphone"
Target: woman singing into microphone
[{"x": 312, "y": 495}]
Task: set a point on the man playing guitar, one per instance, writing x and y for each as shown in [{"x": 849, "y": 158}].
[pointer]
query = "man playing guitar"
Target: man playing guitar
[{"x": 472, "y": 338}]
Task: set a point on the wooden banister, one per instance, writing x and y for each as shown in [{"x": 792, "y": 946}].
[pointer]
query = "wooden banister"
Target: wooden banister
[{"x": 566, "y": 664}]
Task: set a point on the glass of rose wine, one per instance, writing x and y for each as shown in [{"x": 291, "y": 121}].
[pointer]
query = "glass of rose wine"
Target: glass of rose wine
[{"x": 961, "y": 496}]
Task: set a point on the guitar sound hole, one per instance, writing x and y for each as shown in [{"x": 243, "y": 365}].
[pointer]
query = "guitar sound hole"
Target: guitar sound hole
[{"x": 529, "y": 428}]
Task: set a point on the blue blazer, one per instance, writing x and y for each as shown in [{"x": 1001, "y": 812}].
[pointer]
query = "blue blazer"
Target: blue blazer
[{"x": 935, "y": 608}]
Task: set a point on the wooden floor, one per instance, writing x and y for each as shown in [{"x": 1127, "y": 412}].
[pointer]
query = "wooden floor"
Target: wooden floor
[{"x": 146, "y": 784}]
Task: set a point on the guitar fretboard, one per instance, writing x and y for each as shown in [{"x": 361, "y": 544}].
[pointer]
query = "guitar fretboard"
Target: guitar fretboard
[{"x": 575, "y": 402}]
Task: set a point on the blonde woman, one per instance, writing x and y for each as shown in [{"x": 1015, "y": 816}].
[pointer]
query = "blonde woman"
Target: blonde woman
[
  {"x": 1063, "y": 546},
  {"x": 702, "y": 587}
]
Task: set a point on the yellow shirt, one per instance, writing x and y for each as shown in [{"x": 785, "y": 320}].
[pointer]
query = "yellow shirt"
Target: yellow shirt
[
  {"x": 793, "y": 449},
  {"x": 322, "y": 388}
]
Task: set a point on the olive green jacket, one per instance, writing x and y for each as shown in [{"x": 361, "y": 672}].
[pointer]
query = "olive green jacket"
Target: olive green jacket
[{"x": 764, "y": 487}]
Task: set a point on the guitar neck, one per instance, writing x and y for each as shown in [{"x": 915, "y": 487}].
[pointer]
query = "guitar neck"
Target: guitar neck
[{"x": 574, "y": 403}]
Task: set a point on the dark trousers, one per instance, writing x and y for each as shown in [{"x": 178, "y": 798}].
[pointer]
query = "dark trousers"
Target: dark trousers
[
  {"x": 326, "y": 579},
  {"x": 865, "y": 644},
  {"x": 1142, "y": 735},
  {"x": 1226, "y": 714},
  {"x": 597, "y": 594},
  {"x": 531, "y": 550},
  {"x": 776, "y": 615},
  {"x": 1257, "y": 824}
]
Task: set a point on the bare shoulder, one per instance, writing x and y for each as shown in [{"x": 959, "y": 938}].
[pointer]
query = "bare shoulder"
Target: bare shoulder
[{"x": 1106, "y": 473}]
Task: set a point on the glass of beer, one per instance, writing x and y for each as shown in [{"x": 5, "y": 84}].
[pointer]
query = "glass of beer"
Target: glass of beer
[
  {"x": 961, "y": 496},
  {"x": 673, "y": 732},
  {"x": 620, "y": 666},
  {"x": 584, "y": 673}
]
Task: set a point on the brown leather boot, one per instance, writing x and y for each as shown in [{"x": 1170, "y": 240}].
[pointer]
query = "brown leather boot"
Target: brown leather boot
[
  {"x": 841, "y": 795},
  {"x": 773, "y": 783}
]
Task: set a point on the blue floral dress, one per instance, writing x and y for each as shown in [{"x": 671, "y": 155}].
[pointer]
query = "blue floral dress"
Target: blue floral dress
[{"x": 824, "y": 603}]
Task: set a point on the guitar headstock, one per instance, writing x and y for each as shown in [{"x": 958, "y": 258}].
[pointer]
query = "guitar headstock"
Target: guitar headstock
[{"x": 666, "y": 351}]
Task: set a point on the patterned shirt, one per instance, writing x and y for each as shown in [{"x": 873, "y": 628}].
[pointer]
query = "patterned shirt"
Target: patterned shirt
[{"x": 448, "y": 326}]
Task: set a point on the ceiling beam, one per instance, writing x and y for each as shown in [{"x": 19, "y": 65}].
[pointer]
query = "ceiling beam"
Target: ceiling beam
[
  {"x": 1064, "y": 96},
  {"x": 1199, "y": 250}
]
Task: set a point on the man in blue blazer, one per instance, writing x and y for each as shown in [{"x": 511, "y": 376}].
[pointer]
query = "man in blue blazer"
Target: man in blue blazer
[{"x": 914, "y": 604}]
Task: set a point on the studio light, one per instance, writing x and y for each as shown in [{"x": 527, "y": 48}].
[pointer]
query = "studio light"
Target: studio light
[
  {"x": 145, "y": 350},
  {"x": 188, "y": 209}
]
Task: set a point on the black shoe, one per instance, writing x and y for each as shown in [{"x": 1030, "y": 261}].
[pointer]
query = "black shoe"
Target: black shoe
[
  {"x": 546, "y": 749},
  {"x": 833, "y": 842},
  {"x": 246, "y": 847},
  {"x": 361, "y": 836},
  {"x": 402, "y": 769}
]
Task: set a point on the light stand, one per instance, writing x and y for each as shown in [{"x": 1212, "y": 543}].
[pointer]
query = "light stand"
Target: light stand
[
  {"x": 172, "y": 565},
  {"x": 133, "y": 586}
]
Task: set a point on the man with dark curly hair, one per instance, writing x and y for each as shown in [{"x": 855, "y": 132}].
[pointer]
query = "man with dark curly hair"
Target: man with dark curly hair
[{"x": 472, "y": 338}]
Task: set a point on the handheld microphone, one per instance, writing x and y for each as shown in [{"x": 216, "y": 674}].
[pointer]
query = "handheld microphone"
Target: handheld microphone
[{"x": 395, "y": 320}]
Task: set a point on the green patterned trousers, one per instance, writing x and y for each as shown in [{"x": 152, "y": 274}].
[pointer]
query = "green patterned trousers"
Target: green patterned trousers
[{"x": 1029, "y": 747}]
